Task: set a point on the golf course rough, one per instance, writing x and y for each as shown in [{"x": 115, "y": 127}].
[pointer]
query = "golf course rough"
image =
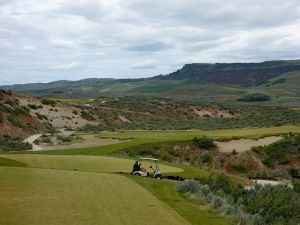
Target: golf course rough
[
  {"x": 31, "y": 196},
  {"x": 83, "y": 163}
]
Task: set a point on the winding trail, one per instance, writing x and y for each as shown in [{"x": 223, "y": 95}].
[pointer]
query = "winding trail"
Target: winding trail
[{"x": 31, "y": 140}]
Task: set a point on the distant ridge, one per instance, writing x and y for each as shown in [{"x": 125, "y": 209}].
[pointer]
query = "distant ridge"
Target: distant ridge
[
  {"x": 223, "y": 74},
  {"x": 244, "y": 74}
]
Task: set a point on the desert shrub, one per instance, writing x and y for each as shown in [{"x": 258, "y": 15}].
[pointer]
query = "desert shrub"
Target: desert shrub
[
  {"x": 48, "y": 102},
  {"x": 217, "y": 201},
  {"x": 64, "y": 138},
  {"x": 269, "y": 175},
  {"x": 271, "y": 153},
  {"x": 15, "y": 120},
  {"x": 234, "y": 152},
  {"x": 239, "y": 168},
  {"x": 11, "y": 102},
  {"x": 87, "y": 116},
  {"x": 296, "y": 185},
  {"x": 204, "y": 142},
  {"x": 32, "y": 106},
  {"x": 190, "y": 186},
  {"x": 41, "y": 117},
  {"x": 262, "y": 205},
  {"x": 52, "y": 130},
  {"x": 274, "y": 204},
  {"x": 293, "y": 172},
  {"x": 10, "y": 144},
  {"x": 206, "y": 158}
]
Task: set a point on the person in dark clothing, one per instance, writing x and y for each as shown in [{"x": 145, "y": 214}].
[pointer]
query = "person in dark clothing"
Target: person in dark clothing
[{"x": 136, "y": 166}]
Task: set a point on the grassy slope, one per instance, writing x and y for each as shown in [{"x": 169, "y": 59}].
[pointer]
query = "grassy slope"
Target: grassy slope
[
  {"x": 193, "y": 211},
  {"x": 42, "y": 197},
  {"x": 142, "y": 137},
  {"x": 11, "y": 162},
  {"x": 164, "y": 190},
  {"x": 82, "y": 163}
]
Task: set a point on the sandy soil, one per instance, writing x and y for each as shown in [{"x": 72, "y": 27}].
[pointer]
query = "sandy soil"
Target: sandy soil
[
  {"x": 266, "y": 182},
  {"x": 88, "y": 141},
  {"x": 243, "y": 145},
  {"x": 212, "y": 113},
  {"x": 60, "y": 115},
  {"x": 31, "y": 139}
]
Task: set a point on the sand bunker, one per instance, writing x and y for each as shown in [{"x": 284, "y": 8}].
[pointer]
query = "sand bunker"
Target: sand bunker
[
  {"x": 243, "y": 145},
  {"x": 87, "y": 141}
]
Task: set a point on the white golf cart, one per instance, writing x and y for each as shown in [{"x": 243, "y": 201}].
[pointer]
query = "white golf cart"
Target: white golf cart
[{"x": 139, "y": 171}]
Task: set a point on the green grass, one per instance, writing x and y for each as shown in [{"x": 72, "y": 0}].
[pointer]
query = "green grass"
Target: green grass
[
  {"x": 82, "y": 163},
  {"x": 11, "y": 162},
  {"x": 73, "y": 100},
  {"x": 195, "y": 212},
  {"x": 46, "y": 197},
  {"x": 142, "y": 137}
]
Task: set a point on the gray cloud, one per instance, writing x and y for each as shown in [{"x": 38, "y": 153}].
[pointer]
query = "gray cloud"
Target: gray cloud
[
  {"x": 149, "y": 47},
  {"x": 65, "y": 39}
]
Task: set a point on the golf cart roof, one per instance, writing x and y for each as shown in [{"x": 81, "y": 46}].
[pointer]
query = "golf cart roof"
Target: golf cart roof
[{"x": 151, "y": 159}]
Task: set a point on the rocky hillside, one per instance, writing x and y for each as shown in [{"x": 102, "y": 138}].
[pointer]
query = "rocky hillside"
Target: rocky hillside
[
  {"x": 23, "y": 115},
  {"x": 244, "y": 74},
  {"x": 15, "y": 118}
]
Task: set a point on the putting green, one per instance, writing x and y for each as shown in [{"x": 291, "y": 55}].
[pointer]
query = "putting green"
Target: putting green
[
  {"x": 31, "y": 196},
  {"x": 82, "y": 163}
]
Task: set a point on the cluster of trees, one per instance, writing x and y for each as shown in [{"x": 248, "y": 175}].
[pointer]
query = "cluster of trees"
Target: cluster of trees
[
  {"x": 255, "y": 97},
  {"x": 262, "y": 205}
]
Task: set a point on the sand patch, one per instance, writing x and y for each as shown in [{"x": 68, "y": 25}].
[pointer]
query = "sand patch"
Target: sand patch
[
  {"x": 243, "y": 145},
  {"x": 87, "y": 140}
]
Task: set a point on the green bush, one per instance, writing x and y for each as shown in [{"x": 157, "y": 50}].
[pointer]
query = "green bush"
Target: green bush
[
  {"x": 204, "y": 142},
  {"x": 255, "y": 97},
  {"x": 48, "y": 102},
  {"x": 87, "y": 116},
  {"x": 239, "y": 168},
  {"x": 296, "y": 185},
  {"x": 262, "y": 205},
  {"x": 10, "y": 144},
  {"x": 206, "y": 158},
  {"x": 272, "y": 153}
]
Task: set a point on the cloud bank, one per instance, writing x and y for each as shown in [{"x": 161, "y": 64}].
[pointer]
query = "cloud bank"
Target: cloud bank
[{"x": 48, "y": 40}]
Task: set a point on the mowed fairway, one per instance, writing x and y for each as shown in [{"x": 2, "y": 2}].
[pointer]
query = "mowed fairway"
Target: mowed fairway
[
  {"x": 82, "y": 163},
  {"x": 30, "y": 196},
  {"x": 142, "y": 136}
]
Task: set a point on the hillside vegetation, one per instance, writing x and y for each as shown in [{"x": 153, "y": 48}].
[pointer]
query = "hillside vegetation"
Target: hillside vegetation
[
  {"x": 284, "y": 154},
  {"x": 27, "y": 115},
  {"x": 198, "y": 82},
  {"x": 244, "y": 74},
  {"x": 15, "y": 119}
]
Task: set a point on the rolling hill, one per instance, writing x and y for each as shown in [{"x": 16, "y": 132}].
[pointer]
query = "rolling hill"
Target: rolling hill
[{"x": 220, "y": 82}]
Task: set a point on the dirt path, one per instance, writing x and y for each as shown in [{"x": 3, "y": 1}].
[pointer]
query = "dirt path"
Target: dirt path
[
  {"x": 31, "y": 139},
  {"x": 243, "y": 145}
]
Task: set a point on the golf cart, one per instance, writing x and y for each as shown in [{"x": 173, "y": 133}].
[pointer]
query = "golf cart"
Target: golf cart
[{"x": 138, "y": 170}]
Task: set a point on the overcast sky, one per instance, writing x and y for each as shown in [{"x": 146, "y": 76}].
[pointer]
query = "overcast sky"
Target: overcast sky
[{"x": 47, "y": 40}]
